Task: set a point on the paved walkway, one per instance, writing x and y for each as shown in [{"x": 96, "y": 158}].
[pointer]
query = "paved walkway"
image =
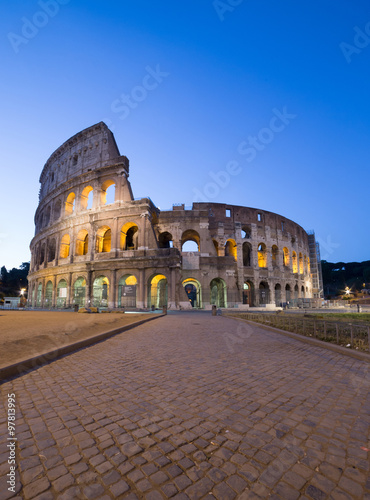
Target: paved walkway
[{"x": 192, "y": 406}]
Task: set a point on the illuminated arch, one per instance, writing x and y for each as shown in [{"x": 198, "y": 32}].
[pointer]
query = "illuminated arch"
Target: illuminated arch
[
  {"x": 70, "y": 204},
  {"x": 48, "y": 299},
  {"x": 129, "y": 236},
  {"x": 294, "y": 262},
  {"x": 300, "y": 257},
  {"x": 286, "y": 257},
  {"x": 157, "y": 291},
  {"x": 231, "y": 248},
  {"x": 127, "y": 290},
  {"x": 62, "y": 292},
  {"x": 100, "y": 292},
  {"x": 218, "y": 292},
  {"x": 82, "y": 242},
  {"x": 193, "y": 292},
  {"x": 262, "y": 255},
  {"x": 79, "y": 291},
  {"x": 103, "y": 239},
  {"x": 64, "y": 246}
]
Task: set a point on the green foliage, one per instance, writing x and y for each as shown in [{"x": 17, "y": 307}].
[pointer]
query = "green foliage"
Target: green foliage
[{"x": 12, "y": 281}]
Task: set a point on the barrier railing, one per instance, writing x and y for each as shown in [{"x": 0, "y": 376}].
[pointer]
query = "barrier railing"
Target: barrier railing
[{"x": 355, "y": 335}]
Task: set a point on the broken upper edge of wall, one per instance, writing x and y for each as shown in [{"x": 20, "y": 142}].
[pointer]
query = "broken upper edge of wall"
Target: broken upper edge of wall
[{"x": 98, "y": 138}]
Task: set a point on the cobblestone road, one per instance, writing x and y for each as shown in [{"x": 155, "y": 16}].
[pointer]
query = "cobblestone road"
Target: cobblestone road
[{"x": 192, "y": 406}]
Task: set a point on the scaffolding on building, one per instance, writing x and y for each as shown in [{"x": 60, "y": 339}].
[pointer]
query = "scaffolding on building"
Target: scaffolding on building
[{"x": 316, "y": 270}]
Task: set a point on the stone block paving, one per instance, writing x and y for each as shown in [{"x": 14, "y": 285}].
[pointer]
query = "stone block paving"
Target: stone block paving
[{"x": 189, "y": 407}]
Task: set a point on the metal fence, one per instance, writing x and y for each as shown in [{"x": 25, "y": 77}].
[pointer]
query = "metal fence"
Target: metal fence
[{"x": 355, "y": 335}]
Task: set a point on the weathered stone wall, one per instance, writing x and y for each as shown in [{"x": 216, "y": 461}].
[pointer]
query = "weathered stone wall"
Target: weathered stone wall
[{"x": 85, "y": 251}]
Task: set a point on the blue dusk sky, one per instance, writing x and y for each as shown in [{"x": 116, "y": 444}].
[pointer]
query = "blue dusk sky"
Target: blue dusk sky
[{"x": 256, "y": 103}]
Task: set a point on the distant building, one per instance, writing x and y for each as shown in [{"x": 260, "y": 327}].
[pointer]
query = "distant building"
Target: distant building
[
  {"x": 128, "y": 253},
  {"x": 11, "y": 302}
]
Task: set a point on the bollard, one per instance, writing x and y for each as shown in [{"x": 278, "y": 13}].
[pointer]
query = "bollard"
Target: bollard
[
  {"x": 164, "y": 310},
  {"x": 214, "y": 310}
]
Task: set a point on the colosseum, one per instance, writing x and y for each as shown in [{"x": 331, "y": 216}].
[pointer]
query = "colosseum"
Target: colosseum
[{"x": 95, "y": 245}]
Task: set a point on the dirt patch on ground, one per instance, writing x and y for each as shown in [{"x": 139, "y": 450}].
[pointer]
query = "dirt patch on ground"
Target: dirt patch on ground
[{"x": 24, "y": 334}]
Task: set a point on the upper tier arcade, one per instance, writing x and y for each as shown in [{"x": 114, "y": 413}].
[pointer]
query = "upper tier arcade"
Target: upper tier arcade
[{"x": 89, "y": 150}]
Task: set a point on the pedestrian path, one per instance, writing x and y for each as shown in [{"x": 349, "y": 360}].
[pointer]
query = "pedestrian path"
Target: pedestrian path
[{"x": 191, "y": 406}]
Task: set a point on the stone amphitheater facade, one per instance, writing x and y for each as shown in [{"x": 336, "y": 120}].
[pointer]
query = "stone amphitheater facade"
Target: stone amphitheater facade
[{"x": 93, "y": 250}]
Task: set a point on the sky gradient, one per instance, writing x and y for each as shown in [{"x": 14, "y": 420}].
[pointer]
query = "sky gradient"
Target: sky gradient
[{"x": 256, "y": 103}]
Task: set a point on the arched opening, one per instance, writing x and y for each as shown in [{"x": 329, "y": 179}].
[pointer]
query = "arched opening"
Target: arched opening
[
  {"x": 278, "y": 295},
  {"x": 262, "y": 255},
  {"x": 48, "y": 302},
  {"x": 165, "y": 240},
  {"x": 46, "y": 218},
  {"x": 302, "y": 291},
  {"x": 39, "y": 295},
  {"x": 42, "y": 253},
  {"x": 246, "y": 232},
  {"x": 215, "y": 244},
  {"x": 264, "y": 293},
  {"x": 294, "y": 262},
  {"x": 62, "y": 294},
  {"x": 129, "y": 236},
  {"x": 287, "y": 293},
  {"x": 296, "y": 289},
  {"x": 275, "y": 256},
  {"x": 300, "y": 263},
  {"x": 190, "y": 241},
  {"x": 157, "y": 291},
  {"x": 286, "y": 259},
  {"x": 247, "y": 261},
  {"x": 218, "y": 292},
  {"x": 51, "y": 250},
  {"x": 70, "y": 204},
  {"x": 308, "y": 265},
  {"x": 248, "y": 293},
  {"x": 230, "y": 248},
  {"x": 87, "y": 198},
  {"x": 64, "y": 246},
  {"x": 100, "y": 292},
  {"x": 103, "y": 239},
  {"x": 192, "y": 289},
  {"x": 108, "y": 192},
  {"x": 79, "y": 292},
  {"x": 127, "y": 288},
  {"x": 57, "y": 210},
  {"x": 82, "y": 242}
]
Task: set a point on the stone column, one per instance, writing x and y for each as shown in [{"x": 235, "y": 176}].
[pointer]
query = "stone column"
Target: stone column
[
  {"x": 88, "y": 288},
  {"x": 112, "y": 298},
  {"x": 141, "y": 286}
]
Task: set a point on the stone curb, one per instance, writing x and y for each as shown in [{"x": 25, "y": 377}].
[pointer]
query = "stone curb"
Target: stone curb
[
  {"x": 26, "y": 365},
  {"x": 363, "y": 356}
]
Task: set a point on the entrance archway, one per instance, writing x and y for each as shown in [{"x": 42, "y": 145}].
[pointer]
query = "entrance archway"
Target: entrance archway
[
  {"x": 264, "y": 293},
  {"x": 127, "y": 287},
  {"x": 79, "y": 291},
  {"x": 218, "y": 292},
  {"x": 100, "y": 292},
  {"x": 62, "y": 294},
  {"x": 278, "y": 295},
  {"x": 157, "y": 291},
  {"x": 248, "y": 293},
  {"x": 48, "y": 295},
  {"x": 193, "y": 292}
]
